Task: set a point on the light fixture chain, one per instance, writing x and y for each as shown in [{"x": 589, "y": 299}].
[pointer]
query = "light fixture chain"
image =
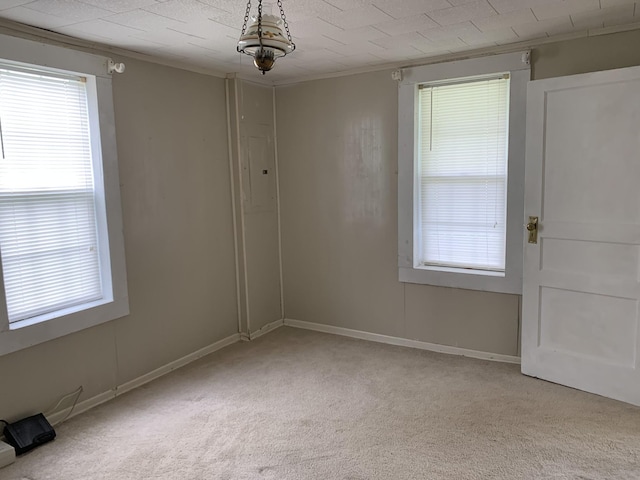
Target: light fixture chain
[
  {"x": 246, "y": 18},
  {"x": 284, "y": 22},
  {"x": 260, "y": 22}
]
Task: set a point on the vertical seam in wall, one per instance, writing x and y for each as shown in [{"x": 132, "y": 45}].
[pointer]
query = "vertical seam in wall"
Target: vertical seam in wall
[
  {"x": 233, "y": 207},
  {"x": 275, "y": 151},
  {"x": 404, "y": 310},
  {"x": 519, "y": 334},
  {"x": 117, "y": 359},
  {"x": 244, "y": 238}
]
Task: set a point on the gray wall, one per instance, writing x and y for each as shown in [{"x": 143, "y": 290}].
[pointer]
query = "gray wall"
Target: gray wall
[
  {"x": 174, "y": 175},
  {"x": 338, "y": 171}
]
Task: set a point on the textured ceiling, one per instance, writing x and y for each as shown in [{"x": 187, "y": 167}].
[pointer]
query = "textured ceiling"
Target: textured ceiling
[{"x": 331, "y": 35}]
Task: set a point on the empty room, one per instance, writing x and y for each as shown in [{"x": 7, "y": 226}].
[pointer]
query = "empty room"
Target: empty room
[{"x": 319, "y": 239}]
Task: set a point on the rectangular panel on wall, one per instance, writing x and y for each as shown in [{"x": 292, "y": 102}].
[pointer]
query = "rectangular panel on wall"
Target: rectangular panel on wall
[{"x": 259, "y": 179}]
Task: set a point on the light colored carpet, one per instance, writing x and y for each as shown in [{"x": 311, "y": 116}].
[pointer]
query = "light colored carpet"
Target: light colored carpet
[{"x": 304, "y": 405}]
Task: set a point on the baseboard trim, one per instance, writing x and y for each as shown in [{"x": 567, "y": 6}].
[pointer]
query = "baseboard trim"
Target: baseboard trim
[
  {"x": 402, "y": 342},
  {"x": 181, "y": 362},
  {"x": 266, "y": 329},
  {"x": 61, "y": 415},
  {"x": 92, "y": 402}
]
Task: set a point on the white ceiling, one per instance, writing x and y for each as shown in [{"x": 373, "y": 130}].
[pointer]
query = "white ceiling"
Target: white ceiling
[{"x": 331, "y": 35}]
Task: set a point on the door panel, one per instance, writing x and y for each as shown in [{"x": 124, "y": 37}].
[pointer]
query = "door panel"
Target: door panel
[
  {"x": 581, "y": 280},
  {"x": 600, "y": 327},
  {"x": 599, "y": 125}
]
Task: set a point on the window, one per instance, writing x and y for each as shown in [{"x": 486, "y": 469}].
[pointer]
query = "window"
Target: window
[
  {"x": 61, "y": 246},
  {"x": 461, "y": 173},
  {"x": 48, "y": 227},
  {"x": 462, "y": 167}
]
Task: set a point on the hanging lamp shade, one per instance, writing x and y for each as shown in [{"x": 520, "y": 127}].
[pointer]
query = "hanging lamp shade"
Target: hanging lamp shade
[{"x": 264, "y": 39}]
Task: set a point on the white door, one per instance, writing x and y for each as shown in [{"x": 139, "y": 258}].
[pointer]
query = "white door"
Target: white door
[{"x": 581, "y": 279}]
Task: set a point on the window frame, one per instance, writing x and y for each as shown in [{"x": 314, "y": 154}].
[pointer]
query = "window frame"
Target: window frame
[
  {"x": 517, "y": 66},
  {"x": 115, "y": 304}
]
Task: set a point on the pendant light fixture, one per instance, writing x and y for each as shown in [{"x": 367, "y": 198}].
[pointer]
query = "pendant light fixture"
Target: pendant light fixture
[{"x": 264, "y": 39}]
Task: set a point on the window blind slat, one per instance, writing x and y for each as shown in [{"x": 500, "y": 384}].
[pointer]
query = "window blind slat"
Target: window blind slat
[
  {"x": 462, "y": 164},
  {"x": 48, "y": 231}
]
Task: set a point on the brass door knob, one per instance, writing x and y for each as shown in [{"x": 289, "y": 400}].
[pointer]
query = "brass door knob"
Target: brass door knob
[{"x": 532, "y": 228}]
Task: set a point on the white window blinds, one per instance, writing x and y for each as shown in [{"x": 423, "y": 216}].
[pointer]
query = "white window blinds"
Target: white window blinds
[
  {"x": 48, "y": 231},
  {"x": 462, "y": 168}
]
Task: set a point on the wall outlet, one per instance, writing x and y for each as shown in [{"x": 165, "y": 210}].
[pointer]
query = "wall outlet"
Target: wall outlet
[{"x": 7, "y": 454}]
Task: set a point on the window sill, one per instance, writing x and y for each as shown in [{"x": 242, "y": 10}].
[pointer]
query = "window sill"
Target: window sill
[
  {"x": 27, "y": 333},
  {"x": 57, "y": 314},
  {"x": 466, "y": 279},
  {"x": 463, "y": 271}
]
